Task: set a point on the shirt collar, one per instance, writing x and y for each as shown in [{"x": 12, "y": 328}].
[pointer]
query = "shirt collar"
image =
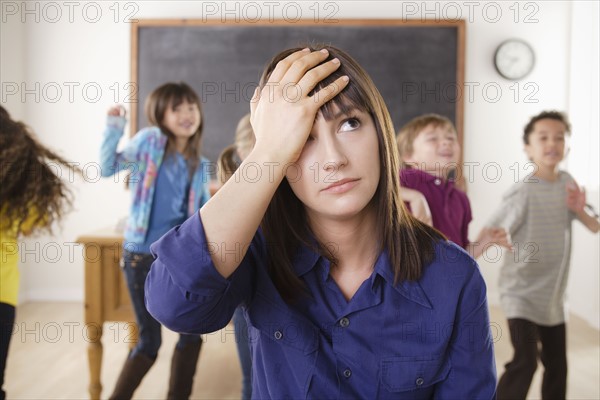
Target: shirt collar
[
  {"x": 411, "y": 290},
  {"x": 306, "y": 259},
  {"x": 426, "y": 177}
]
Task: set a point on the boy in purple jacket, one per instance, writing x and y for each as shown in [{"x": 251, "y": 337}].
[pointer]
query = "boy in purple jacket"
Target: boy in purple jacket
[{"x": 430, "y": 152}]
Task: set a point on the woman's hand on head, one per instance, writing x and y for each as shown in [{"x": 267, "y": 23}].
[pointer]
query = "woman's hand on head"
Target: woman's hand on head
[
  {"x": 117, "y": 111},
  {"x": 282, "y": 113}
]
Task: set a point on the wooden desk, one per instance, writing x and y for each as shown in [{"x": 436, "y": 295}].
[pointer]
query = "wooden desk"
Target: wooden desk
[{"x": 106, "y": 296}]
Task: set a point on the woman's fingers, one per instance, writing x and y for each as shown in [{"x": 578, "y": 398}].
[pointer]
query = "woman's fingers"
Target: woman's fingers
[
  {"x": 283, "y": 65},
  {"x": 300, "y": 67},
  {"x": 317, "y": 74},
  {"x": 330, "y": 91},
  {"x": 282, "y": 113},
  {"x": 299, "y": 73}
]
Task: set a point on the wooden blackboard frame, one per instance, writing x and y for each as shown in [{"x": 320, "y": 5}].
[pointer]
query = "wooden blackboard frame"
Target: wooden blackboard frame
[{"x": 459, "y": 25}]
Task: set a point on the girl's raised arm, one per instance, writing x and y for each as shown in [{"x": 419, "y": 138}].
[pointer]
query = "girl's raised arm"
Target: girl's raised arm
[
  {"x": 112, "y": 161},
  {"x": 282, "y": 118}
]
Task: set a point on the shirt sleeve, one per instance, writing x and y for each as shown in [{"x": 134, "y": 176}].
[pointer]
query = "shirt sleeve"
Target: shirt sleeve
[
  {"x": 511, "y": 213},
  {"x": 112, "y": 161},
  {"x": 405, "y": 178},
  {"x": 473, "y": 371},
  {"x": 184, "y": 291}
]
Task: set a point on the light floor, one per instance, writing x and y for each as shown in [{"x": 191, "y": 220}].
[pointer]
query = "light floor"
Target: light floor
[{"x": 48, "y": 358}]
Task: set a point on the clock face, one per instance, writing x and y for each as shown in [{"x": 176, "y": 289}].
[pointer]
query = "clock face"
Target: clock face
[{"x": 514, "y": 59}]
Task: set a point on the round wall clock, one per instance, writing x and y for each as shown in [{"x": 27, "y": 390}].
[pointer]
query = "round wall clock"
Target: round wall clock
[{"x": 514, "y": 59}]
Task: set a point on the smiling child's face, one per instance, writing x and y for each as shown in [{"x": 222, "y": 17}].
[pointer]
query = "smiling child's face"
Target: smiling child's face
[
  {"x": 435, "y": 149},
  {"x": 546, "y": 147},
  {"x": 183, "y": 120}
]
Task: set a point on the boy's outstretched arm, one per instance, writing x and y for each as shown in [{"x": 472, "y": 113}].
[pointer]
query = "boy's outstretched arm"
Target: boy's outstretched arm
[
  {"x": 418, "y": 204},
  {"x": 576, "y": 203},
  {"x": 487, "y": 237}
]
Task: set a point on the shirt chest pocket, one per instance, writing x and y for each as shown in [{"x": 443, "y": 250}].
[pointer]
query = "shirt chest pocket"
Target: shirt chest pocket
[
  {"x": 413, "y": 376},
  {"x": 282, "y": 326},
  {"x": 284, "y": 344}
]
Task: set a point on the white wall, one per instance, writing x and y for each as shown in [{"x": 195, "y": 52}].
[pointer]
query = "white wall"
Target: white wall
[
  {"x": 86, "y": 52},
  {"x": 12, "y": 62},
  {"x": 584, "y": 163}
]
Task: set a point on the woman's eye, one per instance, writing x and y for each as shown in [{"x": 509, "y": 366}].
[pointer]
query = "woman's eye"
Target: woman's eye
[{"x": 350, "y": 124}]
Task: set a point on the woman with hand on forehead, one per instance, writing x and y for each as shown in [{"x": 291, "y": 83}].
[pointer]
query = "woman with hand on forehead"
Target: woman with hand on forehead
[{"x": 346, "y": 294}]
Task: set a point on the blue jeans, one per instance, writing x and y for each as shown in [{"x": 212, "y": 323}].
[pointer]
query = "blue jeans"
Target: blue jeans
[
  {"x": 136, "y": 267},
  {"x": 243, "y": 345}
]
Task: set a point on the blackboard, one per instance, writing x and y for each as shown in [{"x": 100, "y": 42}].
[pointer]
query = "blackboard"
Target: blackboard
[{"x": 417, "y": 66}]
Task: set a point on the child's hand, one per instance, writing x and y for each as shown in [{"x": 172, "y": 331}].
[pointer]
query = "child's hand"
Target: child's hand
[
  {"x": 282, "y": 113},
  {"x": 487, "y": 237},
  {"x": 117, "y": 111},
  {"x": 420, "y": 208},
  {"x": 497, "y": 236},
  {"x": 575, "y": 197},
  {"x": 576, "y": 203}
]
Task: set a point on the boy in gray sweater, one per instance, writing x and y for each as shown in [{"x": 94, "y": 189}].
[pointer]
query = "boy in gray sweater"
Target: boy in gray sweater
[{"x": 537, "y": 212}]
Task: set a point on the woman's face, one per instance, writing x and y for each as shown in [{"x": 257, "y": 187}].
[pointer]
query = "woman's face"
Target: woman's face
[{"x": 338, "y": 171}]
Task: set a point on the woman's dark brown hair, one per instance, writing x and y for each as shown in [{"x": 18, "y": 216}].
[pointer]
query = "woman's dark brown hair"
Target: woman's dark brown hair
[
  {"x": 410, "y": 243},
  {"x": 171, "y": 95},
  {"x": 31, "y": 190}
]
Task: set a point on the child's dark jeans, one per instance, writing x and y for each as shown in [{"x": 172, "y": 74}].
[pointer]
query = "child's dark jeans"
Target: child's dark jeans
[
  {"x": 525, "y": 336},
  {"x": 136, "y": 267}
]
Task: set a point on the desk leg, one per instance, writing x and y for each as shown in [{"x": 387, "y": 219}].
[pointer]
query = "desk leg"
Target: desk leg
[
  {"x": 95, "y": 364},
  {"x": 133, "y": 335}
]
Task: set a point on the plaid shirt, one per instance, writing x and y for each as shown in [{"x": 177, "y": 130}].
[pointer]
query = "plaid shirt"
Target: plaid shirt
[{"x": 143, "y": 156}]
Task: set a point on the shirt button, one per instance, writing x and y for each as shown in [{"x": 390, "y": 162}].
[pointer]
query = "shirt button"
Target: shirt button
[
  {"x": 437, "y": 181},
  {"x": 347, "y": 373},
  {"x": 344, "y": 322},
  {"x": 419, "y": 381},
  {"x": 278, "y": 335}
]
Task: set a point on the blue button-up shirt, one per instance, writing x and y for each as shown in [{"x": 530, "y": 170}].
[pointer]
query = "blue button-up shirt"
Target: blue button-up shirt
[{"x": 413, "y": 340}]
